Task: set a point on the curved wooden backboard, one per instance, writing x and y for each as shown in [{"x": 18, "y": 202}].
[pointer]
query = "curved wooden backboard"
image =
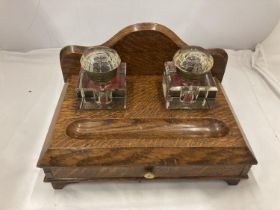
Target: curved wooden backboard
[{"x": 144, "y": 47}]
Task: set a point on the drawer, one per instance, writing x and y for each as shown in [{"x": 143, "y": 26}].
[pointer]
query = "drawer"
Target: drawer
[{"x": 146, "y": 172}]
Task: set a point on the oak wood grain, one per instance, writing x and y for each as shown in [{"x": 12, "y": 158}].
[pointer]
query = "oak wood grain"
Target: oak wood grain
[
  {"x": 146, "y": 128},
  {"x": 139, "y": 171}
]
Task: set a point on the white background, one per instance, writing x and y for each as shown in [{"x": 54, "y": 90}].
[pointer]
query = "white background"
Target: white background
[
  {"x": 33, "y": 82},
  {"x": 235, "y": 24}
]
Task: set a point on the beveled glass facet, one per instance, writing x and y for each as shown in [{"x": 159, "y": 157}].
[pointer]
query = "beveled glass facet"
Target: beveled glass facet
[
  {"x": 181, "y": 93},
  {"x": 96, "y": 95}
]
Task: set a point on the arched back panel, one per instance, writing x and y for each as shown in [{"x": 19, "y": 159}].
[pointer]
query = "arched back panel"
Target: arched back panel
[{"x": 144, "y": 47}]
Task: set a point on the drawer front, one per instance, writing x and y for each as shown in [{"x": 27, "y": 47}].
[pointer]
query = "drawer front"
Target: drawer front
[{"x": 146, "y": 172}]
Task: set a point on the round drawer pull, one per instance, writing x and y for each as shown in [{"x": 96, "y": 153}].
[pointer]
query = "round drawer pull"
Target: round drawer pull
[{"x": 149, "y": 175}]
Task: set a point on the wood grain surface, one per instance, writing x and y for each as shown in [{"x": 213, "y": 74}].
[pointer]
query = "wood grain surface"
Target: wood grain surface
[{"x": 146, "y": 128}]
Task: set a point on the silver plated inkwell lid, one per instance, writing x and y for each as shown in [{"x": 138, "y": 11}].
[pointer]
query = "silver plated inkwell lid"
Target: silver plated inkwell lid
[
  {"x": 100, "y": 63},
  {"x": 193, "y": 62}
]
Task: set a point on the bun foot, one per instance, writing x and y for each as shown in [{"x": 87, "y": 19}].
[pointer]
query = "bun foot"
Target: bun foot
[
  {"x": 58, "y": 185},
  {"x": 232, "y": 181}
]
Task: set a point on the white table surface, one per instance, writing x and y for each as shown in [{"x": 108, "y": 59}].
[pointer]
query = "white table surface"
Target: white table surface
[{"x": 30, "y": 84}]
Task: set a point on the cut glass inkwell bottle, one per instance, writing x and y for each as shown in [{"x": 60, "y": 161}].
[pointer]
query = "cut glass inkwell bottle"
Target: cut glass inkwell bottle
[
  {"x": 102, "y": 81},
  {"x": 187, "y": 80}
]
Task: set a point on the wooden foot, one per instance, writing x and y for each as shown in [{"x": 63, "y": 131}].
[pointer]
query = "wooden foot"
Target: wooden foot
[
  {"x": 58, "y": 185},
  {"x": 232, "y": 181}
]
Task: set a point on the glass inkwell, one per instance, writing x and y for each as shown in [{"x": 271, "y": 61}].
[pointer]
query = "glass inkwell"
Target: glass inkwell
[
  {"x": 102, "y": 81},
  {"x": 187, "y": 80}
]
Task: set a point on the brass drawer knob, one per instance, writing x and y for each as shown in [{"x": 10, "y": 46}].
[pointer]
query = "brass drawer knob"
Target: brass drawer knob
[{"x": 149, "y": 175}]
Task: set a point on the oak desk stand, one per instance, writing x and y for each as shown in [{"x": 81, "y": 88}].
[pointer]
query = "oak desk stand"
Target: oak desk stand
[{"x": 145, "y": 141}]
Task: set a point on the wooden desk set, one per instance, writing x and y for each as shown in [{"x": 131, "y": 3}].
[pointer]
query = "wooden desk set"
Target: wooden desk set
[{"x": 152, "y": 136}]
